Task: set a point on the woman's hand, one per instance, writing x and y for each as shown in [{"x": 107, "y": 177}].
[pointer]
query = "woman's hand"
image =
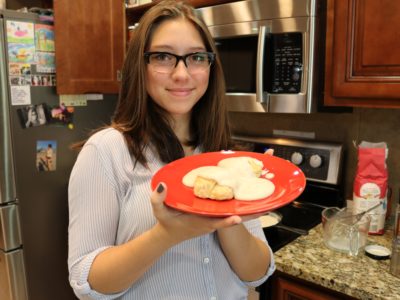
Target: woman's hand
[
  {"x": 269, "y": 151},
  {"x": 178, "y": 226}
]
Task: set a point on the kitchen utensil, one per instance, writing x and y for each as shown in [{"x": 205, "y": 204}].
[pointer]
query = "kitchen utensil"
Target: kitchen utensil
[
  {"x": 395, "y": 259},
  {"x": 307, "y": 204},
  {"x": 354, "y": 218},
  {"x": 292, "y": 229},
  {"x": 341, "y": 233},
  {"x": 273, "y": 219},
  {"x": 396, "y": 227},
  {"x": 361, "y": 214}
]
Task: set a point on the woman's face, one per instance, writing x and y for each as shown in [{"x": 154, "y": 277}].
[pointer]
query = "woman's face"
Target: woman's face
[{"x": 178, "y": 91}]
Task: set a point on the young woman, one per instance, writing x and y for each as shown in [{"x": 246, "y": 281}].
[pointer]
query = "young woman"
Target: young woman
[{"x": 123, "y": 241}]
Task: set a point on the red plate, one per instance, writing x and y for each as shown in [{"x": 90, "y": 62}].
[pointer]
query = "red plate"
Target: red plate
[{"x": 289, "y": 183}]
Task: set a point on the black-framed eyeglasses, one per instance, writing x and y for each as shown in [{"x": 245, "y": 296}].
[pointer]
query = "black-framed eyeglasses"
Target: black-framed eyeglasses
[{"x": 165, "y": 62}]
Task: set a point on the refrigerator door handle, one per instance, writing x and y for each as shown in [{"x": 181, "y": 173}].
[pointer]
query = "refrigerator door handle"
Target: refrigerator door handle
[
  {"x": 7, "y": 176},
  {"x": 10, "y": 236}
]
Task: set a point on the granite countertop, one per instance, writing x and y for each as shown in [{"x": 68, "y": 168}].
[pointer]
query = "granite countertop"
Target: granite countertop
[{"x": 361, "y": 277}]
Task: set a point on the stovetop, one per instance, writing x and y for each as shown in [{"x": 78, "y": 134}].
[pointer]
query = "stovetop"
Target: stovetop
[
  {"x": 321, "y": 163},
  {"x": 304, "y": 213},
  {"x": 303, "y": 218}
]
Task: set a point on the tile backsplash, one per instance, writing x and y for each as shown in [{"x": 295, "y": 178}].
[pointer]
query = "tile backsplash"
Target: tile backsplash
[{"x": 363, "y": 124}]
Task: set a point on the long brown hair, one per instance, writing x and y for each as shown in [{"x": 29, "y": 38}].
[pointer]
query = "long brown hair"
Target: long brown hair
[{"x": 142, "y": 121}]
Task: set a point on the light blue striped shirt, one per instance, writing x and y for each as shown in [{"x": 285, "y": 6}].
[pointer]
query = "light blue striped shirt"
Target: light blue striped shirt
[{"x": 109, "y": 204}]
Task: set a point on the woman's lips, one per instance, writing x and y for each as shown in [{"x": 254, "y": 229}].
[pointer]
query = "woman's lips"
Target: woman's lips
[{"x": 180, "y": 91}]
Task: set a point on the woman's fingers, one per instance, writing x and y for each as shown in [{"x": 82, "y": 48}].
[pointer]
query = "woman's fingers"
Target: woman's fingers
[
  {"x": 158, "y": 195},
  {"x": 181, "y": 226},
  {"x": 226, "y": 222},
  {"x": 270, "y": 151},
  {"x": 251, "y": 217}
]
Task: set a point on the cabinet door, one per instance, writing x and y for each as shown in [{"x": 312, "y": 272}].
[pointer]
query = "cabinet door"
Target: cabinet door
[
  {"x": 362, "y": 53},
  {"x": 90, "y": 45},
  {"x": 290, "y": 290},
  {"x": 135, "y": 12}
]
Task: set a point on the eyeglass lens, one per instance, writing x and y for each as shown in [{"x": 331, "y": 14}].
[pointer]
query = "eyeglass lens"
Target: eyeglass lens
[{"x": 165, "y": 62}]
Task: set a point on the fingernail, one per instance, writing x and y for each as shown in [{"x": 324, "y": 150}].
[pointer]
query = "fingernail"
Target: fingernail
[{"x": 160, "y": 188}]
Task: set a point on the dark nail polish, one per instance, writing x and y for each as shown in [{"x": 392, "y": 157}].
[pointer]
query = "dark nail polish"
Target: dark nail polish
[{"x": 160, "y": 188}]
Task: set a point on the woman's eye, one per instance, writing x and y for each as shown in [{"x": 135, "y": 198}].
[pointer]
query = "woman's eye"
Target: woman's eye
[
  {"x": 199, "y": 58},
  {"x": 162, "y": 57}
]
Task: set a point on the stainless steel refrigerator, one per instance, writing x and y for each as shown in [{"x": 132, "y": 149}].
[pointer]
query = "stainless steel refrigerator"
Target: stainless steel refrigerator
[{"x": 35, "y": 161}]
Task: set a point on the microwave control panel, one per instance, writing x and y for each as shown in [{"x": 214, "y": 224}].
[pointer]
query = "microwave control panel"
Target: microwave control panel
[{"x": 285, "y": 60}]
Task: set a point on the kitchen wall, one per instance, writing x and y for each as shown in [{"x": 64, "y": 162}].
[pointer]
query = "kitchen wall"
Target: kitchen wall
[{"x": 369, "y": 124}]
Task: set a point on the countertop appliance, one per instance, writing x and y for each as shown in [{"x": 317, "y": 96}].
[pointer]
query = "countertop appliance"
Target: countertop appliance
[
  {"x": 322, "y": 164},
  {"x": 272, "y": 53},
  {"x": 33, "y": 177}
]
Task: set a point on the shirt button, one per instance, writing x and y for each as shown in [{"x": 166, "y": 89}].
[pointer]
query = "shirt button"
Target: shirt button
[{"x": 206, "y": 261}]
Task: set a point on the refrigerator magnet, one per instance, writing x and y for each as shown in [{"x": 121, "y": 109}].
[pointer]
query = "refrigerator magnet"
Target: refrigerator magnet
[
  {"x": 46, "y": 156},
  {"x": 32, "y": 115}
]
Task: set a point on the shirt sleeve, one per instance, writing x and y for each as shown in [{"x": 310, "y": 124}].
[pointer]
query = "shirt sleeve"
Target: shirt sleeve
[
  {"x": 255, "y": 228},
  {"x": 94, "y": 214}
]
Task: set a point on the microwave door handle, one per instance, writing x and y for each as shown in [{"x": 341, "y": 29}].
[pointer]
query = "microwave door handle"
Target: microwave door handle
[{"x": 260, "y": 66}]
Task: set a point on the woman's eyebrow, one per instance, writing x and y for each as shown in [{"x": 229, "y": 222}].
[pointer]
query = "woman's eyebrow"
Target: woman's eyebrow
[{"x": 172, "y": 49}]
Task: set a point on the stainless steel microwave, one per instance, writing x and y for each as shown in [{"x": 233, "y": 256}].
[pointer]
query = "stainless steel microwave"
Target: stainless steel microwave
[{"x": 272, "y": 53}]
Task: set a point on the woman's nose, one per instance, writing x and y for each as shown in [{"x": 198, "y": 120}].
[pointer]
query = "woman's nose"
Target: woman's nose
[{"x": 181, "y": 70}]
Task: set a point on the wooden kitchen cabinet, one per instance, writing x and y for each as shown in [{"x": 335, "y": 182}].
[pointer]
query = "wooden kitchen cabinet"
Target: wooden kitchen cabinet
[
  {"x": 286, "y": 287},
  {"x": 90, "y": 41},
  {"x": 134, "y": 13},
  {"x": 90, "y": 38},
  {"x": 362, "y": 53}
]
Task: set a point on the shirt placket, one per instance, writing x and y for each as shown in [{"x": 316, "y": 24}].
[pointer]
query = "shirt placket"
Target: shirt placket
[{"x": 208, "y": 274}]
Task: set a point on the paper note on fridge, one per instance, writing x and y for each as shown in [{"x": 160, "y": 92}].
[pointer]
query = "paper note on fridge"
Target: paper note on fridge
[{"x": 20, "y": 95}]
